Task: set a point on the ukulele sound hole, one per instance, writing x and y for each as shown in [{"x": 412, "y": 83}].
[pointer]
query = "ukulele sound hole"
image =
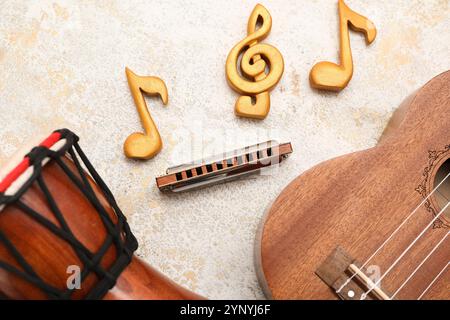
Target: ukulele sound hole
[{"x": 442, "y": 194}]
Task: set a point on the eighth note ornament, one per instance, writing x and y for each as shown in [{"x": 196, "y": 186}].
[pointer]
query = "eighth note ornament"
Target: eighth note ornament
[
  {"x": 261, "y": 67},
  {"x": 330, "y": 76},
  {"x": 144, "y": 145}
]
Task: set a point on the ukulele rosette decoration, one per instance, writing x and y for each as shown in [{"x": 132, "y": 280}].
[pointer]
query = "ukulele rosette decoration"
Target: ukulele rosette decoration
[{"x": 261, "y": 67}]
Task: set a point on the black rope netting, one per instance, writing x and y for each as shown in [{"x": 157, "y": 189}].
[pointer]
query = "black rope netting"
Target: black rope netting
[{"x": 118, "y": 234}]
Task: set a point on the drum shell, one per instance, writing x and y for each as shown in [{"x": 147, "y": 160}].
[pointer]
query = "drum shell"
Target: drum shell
[{"x": 50, "y": 255}]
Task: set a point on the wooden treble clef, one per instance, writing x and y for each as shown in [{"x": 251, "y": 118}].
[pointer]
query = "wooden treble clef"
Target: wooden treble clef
[
  {"x": 330, "y": 76},
  {"x": 254, "y": 81},
  {"x": 144, "y": 145}
]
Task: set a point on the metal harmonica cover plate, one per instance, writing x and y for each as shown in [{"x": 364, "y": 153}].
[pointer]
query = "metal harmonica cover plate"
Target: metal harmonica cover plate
[{"x": 223, "y": 167}]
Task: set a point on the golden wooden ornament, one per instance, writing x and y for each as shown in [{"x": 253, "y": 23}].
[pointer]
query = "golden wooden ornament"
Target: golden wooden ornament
[
  {"x": 145, "y": 145},
  {"x": 254, "y": 83},
  {"x": 330, "y": 76}
]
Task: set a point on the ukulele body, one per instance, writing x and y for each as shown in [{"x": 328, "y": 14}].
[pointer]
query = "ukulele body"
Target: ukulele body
[{"x": 353, "y": 204}]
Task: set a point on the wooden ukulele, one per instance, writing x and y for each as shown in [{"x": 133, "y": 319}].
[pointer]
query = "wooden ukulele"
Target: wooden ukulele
[{"x": 373, "y": 224}]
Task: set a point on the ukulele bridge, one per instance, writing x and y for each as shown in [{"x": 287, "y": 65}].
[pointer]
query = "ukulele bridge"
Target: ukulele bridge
[
  {"x": 224, "y": 167},
  {"x": 347, "y": 279}
]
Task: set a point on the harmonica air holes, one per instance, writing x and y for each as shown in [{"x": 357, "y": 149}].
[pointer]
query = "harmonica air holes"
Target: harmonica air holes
[{"x": 207, "y": 172}]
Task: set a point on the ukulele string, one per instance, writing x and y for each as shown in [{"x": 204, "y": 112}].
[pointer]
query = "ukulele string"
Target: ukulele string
[
  {"x": 393, "y": 233},
  {"x": 434, "y": 280},
  {"x": 443, "y": 195},
  {"x": 376, "y": 284},
  {"x": 424, "y": 260},
  {"x": 419, "y": 266}
]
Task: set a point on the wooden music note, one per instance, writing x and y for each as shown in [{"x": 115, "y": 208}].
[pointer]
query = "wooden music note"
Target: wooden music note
[
  {"x": 253, "y": 65},
  {"x": 144, "y": 145},
  {"x": 330, "y": 76}
]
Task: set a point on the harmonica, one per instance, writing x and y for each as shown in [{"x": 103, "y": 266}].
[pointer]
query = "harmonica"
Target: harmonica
[{"x": 224, "y": 167}]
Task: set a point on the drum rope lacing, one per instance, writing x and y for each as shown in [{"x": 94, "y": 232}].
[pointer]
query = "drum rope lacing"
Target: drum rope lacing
[{"x": 118, "y": 234}]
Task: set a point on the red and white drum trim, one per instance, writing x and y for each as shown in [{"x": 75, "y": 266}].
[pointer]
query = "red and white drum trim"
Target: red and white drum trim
[{"x": 18, "y": 176}]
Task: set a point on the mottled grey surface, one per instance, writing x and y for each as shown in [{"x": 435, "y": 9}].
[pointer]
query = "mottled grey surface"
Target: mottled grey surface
[{"x": 62, "y": 65}]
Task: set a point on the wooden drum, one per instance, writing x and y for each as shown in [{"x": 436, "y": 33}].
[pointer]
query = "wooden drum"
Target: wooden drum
[{"x": 62, "y": 235}]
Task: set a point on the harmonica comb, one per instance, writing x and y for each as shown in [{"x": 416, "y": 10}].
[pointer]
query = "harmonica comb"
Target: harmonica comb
[{"x": 223, "y": 167}]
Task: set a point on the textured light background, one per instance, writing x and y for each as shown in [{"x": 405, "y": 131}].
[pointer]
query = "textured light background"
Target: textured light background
[{"x": 62, "y": 65}]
